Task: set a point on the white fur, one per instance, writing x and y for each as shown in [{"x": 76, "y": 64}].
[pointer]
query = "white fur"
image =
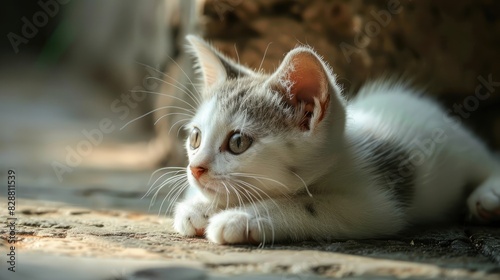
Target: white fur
[
  {"x": 314, "y": 184},
  {"x": 451, "y": 160}
]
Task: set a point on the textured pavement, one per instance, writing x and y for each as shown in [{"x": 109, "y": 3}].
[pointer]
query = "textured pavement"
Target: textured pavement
[{"x": 56, "y": 239}]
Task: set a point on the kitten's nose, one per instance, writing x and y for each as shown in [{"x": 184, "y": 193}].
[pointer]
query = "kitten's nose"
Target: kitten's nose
[{"x": 197, "y": 171}]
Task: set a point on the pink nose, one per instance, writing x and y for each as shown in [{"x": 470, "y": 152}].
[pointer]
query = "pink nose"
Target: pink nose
[{"x": 197, "y": 171}]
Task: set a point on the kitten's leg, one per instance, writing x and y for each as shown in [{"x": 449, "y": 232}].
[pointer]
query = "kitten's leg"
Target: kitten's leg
[
  {"x": 468, "y": 161},
  {"x": 303, "y": 217},
  {"x": 191, "y": 215},
  {"x": 484, "y": 202},
  {"x": 484, "y": 172}
]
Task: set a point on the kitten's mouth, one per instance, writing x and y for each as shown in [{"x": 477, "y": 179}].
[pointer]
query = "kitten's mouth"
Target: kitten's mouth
[{"x": 209, "y": 185}]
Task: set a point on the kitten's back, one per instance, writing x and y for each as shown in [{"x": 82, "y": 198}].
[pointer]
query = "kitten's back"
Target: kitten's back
[{"x": 420, "y": 140}]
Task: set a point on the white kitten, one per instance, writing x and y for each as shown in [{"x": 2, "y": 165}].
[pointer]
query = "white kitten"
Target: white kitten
[{"x": 285, "y": 157}]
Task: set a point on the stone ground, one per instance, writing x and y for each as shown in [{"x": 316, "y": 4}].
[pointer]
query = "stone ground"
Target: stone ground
[
  {"x": 56, "y": 239},
  {"x": 93, "y": 224}
]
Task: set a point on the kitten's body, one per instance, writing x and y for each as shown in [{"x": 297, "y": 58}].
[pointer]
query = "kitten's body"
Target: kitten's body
[
  {"x": 433, "y": 155},
  {"x": 311, "y": 166}
]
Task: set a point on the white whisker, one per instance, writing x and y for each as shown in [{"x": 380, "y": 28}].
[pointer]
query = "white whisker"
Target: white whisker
[
  {"x": 304, "y": 183},
  {"x": 176, "y": 197},
  {"x": 187, "y": 91},
  {"x": 255, "y": 176},
  {"x": 180, "y": 127},
  {"x": 264, "y": 57},
  {"x": 166, "y": 95},
  {"x": 187, "y": 76},
  {"x": 155, "y": 110},
  {"x": 238, "y": 58},
  {"x": 176, "y": 191},
  {"x": 162, "y": 169},
  {"x": 169, "y": 114},
  {"x": 177, "y": 182},
  {"x": 257, "y": 191},
  {"x": 257, "y": 212},
  {"x": 240, "y": 200},
  {"x": 260, "y": 199},
  {"x": 154, "y": 183},
  {"x": 184, "y": 89},
  {"x": 174, "y": 181}
]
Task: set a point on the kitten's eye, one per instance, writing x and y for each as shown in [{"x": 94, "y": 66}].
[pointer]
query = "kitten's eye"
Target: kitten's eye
[
  {"x": 238, "y": 143},
  {"x": 195, "y": 138}
]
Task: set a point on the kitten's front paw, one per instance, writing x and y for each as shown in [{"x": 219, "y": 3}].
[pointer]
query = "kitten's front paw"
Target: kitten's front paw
[
  {"x": 191, "y": 218},
  {"x": 484, "y": 203},
  {"x": 236, "y": 227}
]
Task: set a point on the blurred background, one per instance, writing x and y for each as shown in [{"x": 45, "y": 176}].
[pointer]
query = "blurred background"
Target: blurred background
[{"x": 74, "y": 72}]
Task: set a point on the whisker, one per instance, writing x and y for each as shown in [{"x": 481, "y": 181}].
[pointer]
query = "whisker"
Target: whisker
[
  {"x": 238, "y": 58},
  {"x": 257, "y": 190},
  {"x": 169, "y": 114},
  {"x": 255, "y": 176},
  {"x": 176, "y": 197},
  {"x": 257, "y": 212},
  {"x": 240, "y": 200},
  {"x": 261, "y": 201},
  {"x": 214, "y": 202},
  {"x": 149, "y": 66},
  {"x": 174, "y": 181},
  {"x": 304, "y": 183},
  {"x": 180, "y": 127},
  {"x": 166, "y": 168},
  {"x": 153, "y": 199},
  {"x": 227, "y": 196},
  {"x": 183, "y": 89},
  {"x": 176, "y": 175},
  {"x": 187, "y": 76},
  {"x": 150, "y": 188},
  {"x": 176, "y": 191},
  {"x": 264, "y": 57},
  {"x": 166, "y": 95},
  {"x": 252, "y": 202},
  {"x": 155, "y": 110},
  {"x": 162, "y": 169},
  {"x": 192, "y": 95}
]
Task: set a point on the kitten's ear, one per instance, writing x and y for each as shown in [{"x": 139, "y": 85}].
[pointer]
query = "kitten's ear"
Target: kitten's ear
[
  {"x": 214, "y": 66},
  {"x": 306, "y": 83}
]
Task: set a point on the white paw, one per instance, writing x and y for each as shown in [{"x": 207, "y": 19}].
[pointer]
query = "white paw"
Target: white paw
[
  {"x": 484, "y": 203},
  {"x": 191, "y": 217},
  {"x": 236, "y": 227}
]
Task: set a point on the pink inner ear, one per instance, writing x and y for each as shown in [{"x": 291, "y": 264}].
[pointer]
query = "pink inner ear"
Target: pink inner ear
[{"x": 309, "y": 81}]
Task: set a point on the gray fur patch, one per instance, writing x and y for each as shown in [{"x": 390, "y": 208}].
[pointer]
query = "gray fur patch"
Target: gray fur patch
[
  {"x": 264, "y": 112},
  {"x": 393, "y": 166}
]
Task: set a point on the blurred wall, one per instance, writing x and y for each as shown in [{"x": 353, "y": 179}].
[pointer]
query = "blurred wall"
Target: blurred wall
[{"x": 449, "y": 47}]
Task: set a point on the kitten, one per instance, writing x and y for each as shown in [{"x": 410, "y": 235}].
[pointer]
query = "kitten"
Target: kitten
[{"x": 285, "y": 157}]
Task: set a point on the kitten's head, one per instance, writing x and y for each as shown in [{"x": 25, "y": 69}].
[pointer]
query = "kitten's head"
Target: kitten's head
[{"x": 257, "y": 136}]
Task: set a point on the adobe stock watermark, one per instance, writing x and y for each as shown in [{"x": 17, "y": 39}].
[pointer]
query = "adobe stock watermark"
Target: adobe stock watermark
[
  {"x": 423, "y": 149},
  {"x": 471, "y": 103},
  {"x": 371, "y": 29},
  {"x": 74, "y": 154},
  {"x": 31, "y": 26}
]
